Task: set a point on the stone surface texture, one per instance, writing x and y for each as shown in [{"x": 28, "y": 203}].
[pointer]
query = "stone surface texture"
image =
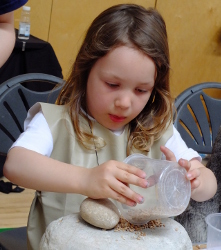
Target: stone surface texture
[
  {"x": 100, "y": 213},
  {"x": 72, "y": 232}
]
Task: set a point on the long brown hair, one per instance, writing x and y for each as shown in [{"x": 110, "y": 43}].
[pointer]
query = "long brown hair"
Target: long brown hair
[{"x": 130, "y": 25}]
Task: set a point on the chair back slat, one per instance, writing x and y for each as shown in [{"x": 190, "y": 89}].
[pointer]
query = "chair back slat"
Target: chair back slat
[
  {"x": 197, "y": 118},
  {"x": 16, "y": 100}
]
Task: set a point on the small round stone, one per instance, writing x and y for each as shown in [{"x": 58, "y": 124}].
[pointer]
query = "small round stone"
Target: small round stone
[{"x": 100, "y": 213}]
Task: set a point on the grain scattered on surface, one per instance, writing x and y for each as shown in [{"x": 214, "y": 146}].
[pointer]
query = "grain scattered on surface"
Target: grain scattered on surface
[{"x": 124, "y": 225}]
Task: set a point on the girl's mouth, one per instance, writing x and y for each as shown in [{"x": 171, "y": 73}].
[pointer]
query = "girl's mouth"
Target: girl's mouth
[{"x": 115, "y": 118}]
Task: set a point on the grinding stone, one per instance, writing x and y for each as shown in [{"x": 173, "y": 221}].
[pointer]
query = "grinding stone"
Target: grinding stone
[
  {"x": 72, "y": 232},
  {"x": 100, "y": 213}
]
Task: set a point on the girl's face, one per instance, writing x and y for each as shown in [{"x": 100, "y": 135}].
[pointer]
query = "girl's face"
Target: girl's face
[{"x": 119, "y": 86}]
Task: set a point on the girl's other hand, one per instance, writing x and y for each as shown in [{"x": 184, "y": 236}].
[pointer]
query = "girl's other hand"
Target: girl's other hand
[
  {"x": 192, "y": 174},
  {"x": 203, "y": 181},
  {"x": 111, "y": 180}
]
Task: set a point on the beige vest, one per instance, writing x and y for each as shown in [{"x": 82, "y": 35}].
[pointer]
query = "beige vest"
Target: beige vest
[{"x": 48, "y": 206}]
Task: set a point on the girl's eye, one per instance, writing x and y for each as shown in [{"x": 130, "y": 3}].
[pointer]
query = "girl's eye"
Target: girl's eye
[
  {"x": 112, "y": 85},
  {"x": 142, "y": 90}
]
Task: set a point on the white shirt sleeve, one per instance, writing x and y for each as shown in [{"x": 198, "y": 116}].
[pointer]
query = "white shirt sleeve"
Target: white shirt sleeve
[
  {"x": 177, "y": 145},
  {"x": 37, "y": 135}
]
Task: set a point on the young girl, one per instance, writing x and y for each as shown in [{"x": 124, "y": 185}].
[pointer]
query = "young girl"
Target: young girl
[{"x": 115, "y": 102}]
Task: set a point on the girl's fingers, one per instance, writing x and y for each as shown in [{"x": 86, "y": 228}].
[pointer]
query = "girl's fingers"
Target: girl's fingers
[
  {"x": 152, "y": 180},
  {"x": 125, "y": 195},
  {"x": 125, "y": 200},
  {"x": 193, "y": 174},
  {"x": 115, "y": 179},
  {"x": 195, "y": 184},
  {"x": 131, "y": 169},
  {"x": 130, "y": 178},
  {"x": 185, "y": 163},
  {"x": 121, "y": 198},
  {"x": 168, "y": 153}
]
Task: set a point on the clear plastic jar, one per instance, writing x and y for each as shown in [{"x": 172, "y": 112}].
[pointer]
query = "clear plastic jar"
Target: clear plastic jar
[{"x": 168, "y": 193}]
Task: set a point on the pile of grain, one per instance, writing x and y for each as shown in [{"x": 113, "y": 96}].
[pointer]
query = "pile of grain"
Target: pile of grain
[{"x": 124, "y": 225}]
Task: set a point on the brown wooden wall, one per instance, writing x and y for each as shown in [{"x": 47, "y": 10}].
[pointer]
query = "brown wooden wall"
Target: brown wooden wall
[{"x": 193, "y": 26}]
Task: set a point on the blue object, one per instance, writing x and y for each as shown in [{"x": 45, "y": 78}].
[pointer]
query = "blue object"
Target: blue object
[{"x": 10, "y": 5}]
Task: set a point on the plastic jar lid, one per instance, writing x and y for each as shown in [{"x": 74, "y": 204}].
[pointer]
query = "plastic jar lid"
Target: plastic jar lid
[{"x": 175, "y": 188}]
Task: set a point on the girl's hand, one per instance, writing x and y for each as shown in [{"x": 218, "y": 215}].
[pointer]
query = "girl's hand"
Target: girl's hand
[
  {"x": 192, "y": 174},
  {"x": 111, "y": 180},
  {"x": 203, "y": 181}
]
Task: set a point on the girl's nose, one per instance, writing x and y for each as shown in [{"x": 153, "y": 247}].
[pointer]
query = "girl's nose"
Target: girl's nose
[{"x": 123, "y": 101}]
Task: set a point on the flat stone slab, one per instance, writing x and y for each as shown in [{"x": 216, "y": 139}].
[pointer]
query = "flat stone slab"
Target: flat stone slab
[{"x": 72, "y": 232}]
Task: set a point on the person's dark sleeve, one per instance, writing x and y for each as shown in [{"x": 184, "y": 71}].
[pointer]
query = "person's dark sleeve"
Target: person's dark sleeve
[{"x": 10, "y": 5}]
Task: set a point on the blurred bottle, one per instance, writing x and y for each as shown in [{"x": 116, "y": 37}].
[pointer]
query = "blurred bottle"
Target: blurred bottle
[{"x": 24, "y": 24}]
